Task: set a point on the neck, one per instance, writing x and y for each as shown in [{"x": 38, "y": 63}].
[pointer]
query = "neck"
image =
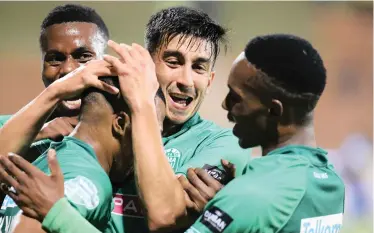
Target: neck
[
  {"x": 169, "y": 128},
  {"x": 299, "y": 135},
  {"x": 94, "y": 135}
]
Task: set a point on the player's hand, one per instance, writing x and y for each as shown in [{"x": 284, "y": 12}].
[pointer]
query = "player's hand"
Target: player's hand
[
  {"x": 230, "y": 170},
  {"x": 73, "y": 84},
  {"x": 200, "y": 187},
  {"x": 57, "y": 128},
  {"x": 136, "y": 72},
  {"x": 32, "y": 190}
]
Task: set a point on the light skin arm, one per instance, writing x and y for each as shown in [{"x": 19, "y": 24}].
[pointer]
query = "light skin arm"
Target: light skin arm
[{"x": 159, "y": 188}]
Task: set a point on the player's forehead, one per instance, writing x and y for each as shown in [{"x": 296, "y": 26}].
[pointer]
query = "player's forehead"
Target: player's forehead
[
  {"x": 191, "y": 48},
  {"x": 69, "y": 36},
  {"x": 241, "y": 72},
  {"x": 243, "y": 79}
]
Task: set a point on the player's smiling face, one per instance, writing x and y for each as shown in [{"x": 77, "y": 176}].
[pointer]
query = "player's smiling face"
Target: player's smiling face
[
  {"x": 65, "y": 47},
  {"x": 244, "y": 106},
  {"x": 184, "y": 71}
]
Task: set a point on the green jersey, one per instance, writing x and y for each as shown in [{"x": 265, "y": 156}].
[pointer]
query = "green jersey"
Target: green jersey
[
  {"x": 199, "y": 143},
  {"x": 87, "y": 186},
  {"x": 292, "y": 189}
]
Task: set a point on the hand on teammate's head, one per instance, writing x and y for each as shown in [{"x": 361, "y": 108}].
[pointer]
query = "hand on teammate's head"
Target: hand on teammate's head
[
  {"x": 73, "y": 84},
  {"x": 136, "y": 72}
]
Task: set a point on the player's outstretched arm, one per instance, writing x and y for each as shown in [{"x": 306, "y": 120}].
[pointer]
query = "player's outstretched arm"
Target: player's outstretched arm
[
  {"x": 41, "y": 197},
  {"x": 159, "y": 189},
  {"x": 20, "y": 131}
]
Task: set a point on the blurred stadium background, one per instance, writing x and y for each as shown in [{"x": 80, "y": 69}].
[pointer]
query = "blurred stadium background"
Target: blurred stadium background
[{"x": 341, "y": 31}]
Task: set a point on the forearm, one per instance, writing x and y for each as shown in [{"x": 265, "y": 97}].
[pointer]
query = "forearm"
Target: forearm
[
  {"x": 20, "y": 131},
  {"x": 159, "y": 189},
  {"x": 63, "y": 218}
]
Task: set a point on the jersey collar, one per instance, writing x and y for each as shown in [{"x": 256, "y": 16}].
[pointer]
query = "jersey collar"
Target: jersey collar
[
  {"x": 194, "y": 120},
  {"x": 316, "y": 155}
]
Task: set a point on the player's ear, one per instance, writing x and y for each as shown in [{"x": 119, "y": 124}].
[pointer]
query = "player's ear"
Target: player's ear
[
  {"x": 121, "y": 122},
  {"x": 211, "y": 78},
  {"x": 276, "y": 108}
]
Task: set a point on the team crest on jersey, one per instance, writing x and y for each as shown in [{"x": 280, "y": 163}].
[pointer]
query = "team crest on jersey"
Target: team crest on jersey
[
  {"x": 328, "y": 223},
  {"x": 216, "y": 219},
  {"x": 127, "y": 205},
  {"x": 173, "y": 156},
  {"x": 82, "y": 191}
]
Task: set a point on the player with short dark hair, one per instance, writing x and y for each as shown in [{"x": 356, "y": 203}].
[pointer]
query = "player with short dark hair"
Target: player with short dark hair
[
  {"x": 274, "y": 87},
  {"x": 60, "y": 55},
  {"x": 160, "y": 31},
  {"x": 96, "y": 155},
  {"x": 70, "y": 35},
  {"x": 184, "y": 44}
]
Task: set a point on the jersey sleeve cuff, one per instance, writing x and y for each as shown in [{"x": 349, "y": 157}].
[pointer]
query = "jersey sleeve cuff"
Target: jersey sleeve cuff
[{"x": 59, "y": 212}]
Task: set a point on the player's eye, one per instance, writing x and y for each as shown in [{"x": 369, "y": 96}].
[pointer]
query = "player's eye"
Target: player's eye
[
  {"x": 84, "y": 57},
  {"x": 200, "y": 68},
  {"x": 172, "y": 62},
  {"x": 54, "y": 59}
]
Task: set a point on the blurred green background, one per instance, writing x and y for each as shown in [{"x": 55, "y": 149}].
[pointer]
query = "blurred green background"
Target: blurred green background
[{"x": 341, "y": 31}]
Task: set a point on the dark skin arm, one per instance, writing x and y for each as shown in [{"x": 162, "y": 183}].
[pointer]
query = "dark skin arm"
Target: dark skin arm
[
  {"x": 35, "y": 192},
  {"x": 200, "y": 188}
]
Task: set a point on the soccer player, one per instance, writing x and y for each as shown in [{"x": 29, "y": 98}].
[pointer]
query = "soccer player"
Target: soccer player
[
  {"x": 184, "y": 44},
  {"x": 99, "y": 147},
  {"x": 183, "y": 55},
  {"x": 70, "y": 36},
  {"x": 274, "y": 86}
]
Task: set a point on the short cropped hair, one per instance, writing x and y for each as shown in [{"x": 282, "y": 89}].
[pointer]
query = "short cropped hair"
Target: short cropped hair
[
  {"x": 116, "y": 102},
  {"x": 168, "y": 23},
  {"x": 73, "y": 13},
  {"x": 293, "y": 68}
]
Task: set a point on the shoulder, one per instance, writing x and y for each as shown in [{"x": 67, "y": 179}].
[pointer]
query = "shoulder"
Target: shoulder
[
  {"x": 255, "y": 203},
  {"x": 217, "y": 136}
]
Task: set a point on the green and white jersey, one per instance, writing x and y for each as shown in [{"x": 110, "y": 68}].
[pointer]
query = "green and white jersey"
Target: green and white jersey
[
  {"x": 199, "y": 143},
  {"x": 87, "y": 186},
  {"x": 292, "y": 189},
  {"x": 41, "y": 146}
]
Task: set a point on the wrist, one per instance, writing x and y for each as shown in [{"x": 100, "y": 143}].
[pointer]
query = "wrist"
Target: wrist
[
  {"x": 54, "y": 92},
  {"x": 142, "y": 107},
  {"x": 48, "y": 207}
]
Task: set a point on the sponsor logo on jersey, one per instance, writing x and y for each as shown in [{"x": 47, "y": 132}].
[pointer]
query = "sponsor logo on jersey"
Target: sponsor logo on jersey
[
  {"x": 216, "y": 173},
  {"x": 127, "y": 205},
  {"x": 82, "y": 191},
  {"x": 215, "y": 219},
  {"x": 323, "y": 224},
  {"x": 173, "y": 156},
  {"x": 320, "y": 175}
]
